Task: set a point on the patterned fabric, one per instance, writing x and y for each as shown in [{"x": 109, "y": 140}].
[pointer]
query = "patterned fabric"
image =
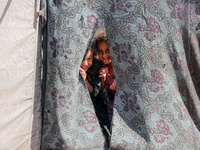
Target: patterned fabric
[
  {"x": 154, "y": 46},
  {"x": 69, "y": 119}
]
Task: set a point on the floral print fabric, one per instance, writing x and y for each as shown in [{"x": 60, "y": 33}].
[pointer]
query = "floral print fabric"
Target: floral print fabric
[
  {"x": 154, "y": 46},
  {"x": 69, "y": 120}
]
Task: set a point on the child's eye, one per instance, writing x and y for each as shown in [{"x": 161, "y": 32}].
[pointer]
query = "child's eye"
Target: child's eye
[
  {"x": 107, "y": 51},
  {"x": 100, "y": 52},
  {"x": 90, "y": 59}
]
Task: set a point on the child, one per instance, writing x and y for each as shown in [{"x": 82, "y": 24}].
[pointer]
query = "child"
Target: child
[
  {"x": 89, "y": 70},
  {"x": 106, "y": 72},
  {"x": 86, "y": 67}
]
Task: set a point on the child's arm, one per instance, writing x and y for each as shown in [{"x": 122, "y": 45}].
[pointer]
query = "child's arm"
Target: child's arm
[
  {"x": 103, "y": 84},
  {"x": 102, "y": 75},
  {"x": 84, "y": 75},
  {"x": 89, "y": 86}
]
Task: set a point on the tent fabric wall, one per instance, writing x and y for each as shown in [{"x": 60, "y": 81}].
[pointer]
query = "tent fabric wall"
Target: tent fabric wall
[
  {"x": 155, "y": 50},
  {"x": 154, "y": 46},
  {"x": 69, "y": 117},
  {"x": 20, "y": 85}
]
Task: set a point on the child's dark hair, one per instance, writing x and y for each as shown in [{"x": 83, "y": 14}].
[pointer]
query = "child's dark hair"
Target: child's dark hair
[
  {"x": 93, "y": 71},
  {"x": 100, "y": 37}
]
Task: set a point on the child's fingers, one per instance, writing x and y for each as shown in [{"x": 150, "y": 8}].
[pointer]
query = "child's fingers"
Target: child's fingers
[
  {"x": 102, "y": 75},
  {"x": 83, "y": 73},
  {"x": 103, "y": 70},
  {"x": 114, "y": 83},
  {"x": 113, "y": 86},
  {"x": 82, "y": 70}
]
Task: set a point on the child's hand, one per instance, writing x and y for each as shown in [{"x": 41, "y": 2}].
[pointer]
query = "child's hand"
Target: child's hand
[
  {"x": 83, "y": 73},
  {"x": 113, "y": 86},
  {"x": 103, "y": 72}
]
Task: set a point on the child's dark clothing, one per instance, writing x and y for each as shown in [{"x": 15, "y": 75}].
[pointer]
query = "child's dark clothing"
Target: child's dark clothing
[{"x": 110, "y": 78}]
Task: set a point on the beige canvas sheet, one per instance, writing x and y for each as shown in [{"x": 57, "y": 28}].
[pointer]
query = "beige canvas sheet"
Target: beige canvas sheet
[{"x": 19, "y": 81}]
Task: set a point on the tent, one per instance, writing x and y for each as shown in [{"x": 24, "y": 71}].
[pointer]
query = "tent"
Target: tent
[
  {"x": 155, "y": 54},
  {"x": 20, "y": 99}
]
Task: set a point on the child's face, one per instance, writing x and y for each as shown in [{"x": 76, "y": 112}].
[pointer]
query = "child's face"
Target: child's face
[
  {"x": 87, "y": 63},
  {"x": 103, "y": 52}
]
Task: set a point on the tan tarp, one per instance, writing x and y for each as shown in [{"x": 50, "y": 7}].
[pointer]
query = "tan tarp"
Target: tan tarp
[{"x": 19, "y": 81}]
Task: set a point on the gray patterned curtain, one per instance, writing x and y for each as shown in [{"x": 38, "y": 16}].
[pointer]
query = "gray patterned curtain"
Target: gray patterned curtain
[{"x": 155, "y": 52}]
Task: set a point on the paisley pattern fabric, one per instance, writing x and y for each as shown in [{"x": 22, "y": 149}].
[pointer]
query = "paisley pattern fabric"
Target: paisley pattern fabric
[
  {"x": 69, "y": 118},
  {"x": 155, "y": 52}
]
